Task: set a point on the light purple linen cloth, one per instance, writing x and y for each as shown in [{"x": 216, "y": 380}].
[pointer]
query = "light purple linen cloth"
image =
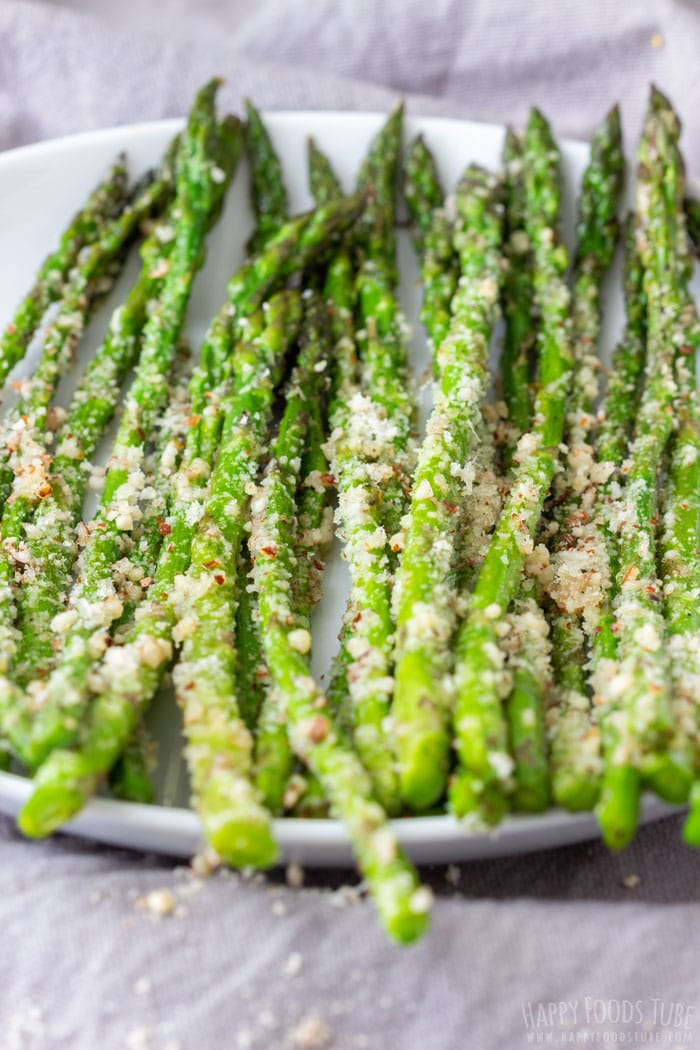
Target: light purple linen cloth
[{"x": 250, "y": 963}]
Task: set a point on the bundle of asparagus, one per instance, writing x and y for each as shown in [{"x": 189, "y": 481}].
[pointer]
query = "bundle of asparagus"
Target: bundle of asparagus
[{"x": 523, "y": 621}]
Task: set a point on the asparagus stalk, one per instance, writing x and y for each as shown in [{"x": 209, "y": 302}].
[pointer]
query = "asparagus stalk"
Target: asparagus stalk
[
  {"x": 268, "y": 194},
  {"x": 528, "y": 663},
  {"x": 671, "y": 769},
  {"x": 528, "y": 649},
  {"x": 370, "y": 440},
  {"x": 579, "y": 554},
  {"x": 252, "y": 675},
  {"x": 692, "y": 214},
  {"x": 576, "y": 738},
  {"x": 323, "y": 181},
  {"x": 424, "y": 595},
  {"x": 219, "y": 747},
  {"x": 274, "y": 756},
  {"x": 375, "y": 236},
  {"x": 269, "y": 200},
  {"x": 637, "y": 694},
  {"x": 433, "y": 239},
  {"x": 479, "y": 788},
  {"x": 84, "y": 229},
  {"x": 130, "y": 777},
  {"x": 681, "y": 574},
  {"x": 314, "y": 737},
  {"x": 520, "y": 326},
  {"x": 339, "y": 293}
]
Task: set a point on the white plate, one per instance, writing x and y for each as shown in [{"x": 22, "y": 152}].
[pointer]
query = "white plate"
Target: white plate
[{"x": 40, "y": 186}]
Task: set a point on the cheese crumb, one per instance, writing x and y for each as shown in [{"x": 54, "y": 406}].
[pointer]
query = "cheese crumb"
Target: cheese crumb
[
  {"x": 158, "y": 902},
  {"x": 300, "y": 639},
  {"x": 293, "y": 964},
  {"x": 312, "y": 1033}
]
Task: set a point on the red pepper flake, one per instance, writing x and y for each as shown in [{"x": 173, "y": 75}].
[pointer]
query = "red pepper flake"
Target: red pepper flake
[
  {"x": 11, "y": 328},
  {"x": 449, "y": 506},
  {"x": 44, "y": 490},
  {"x": 193, "y": 421},
  {"x": 270, "y": 551},
  {"x": 189, "y": 685},
  {"x": 686, "y": 351},
  {"x": 318, "y": 730},
  {"x": 163, "y": 528},
  {"x": 213, "y": 564},
  {"x": 219, "y": 578},
  {"x": 327, "y": 479},
  {"x": 141, "y": 433}
]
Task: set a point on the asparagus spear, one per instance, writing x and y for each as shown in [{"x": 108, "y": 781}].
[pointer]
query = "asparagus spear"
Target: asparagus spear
[
  {"x": 274, "y": 756},
  {"x": 252, "y": 675},
  {"x": 312, "y": 733},
  {"x": 576, "y": 541},
  {"x": 479, "y": 788},
  {"x": 529, "y": 663},
  {"x": 208, "y": 156},
  {"x": 423, "y": 595},
  {"x": 323, "y": 181},
  {"x": 84, "y": 229},
  {"x": 670, "y": 769},
  {"x": 381, "y": 336},
  {"x": 269, "y": 201},
  {"x": 575, "y": 734},
  {"x": 375, "y": 236},
  {"x": 219, "y": 747},
  {"x": 269, "y": 196},
  {"x": 641, "y": 720},
  {"x": 692, "y": 214},
  {"x": 433, "y": 239},
  {"x": 130, "y": 777},
  {"x": 339, "y": 294},
  {"x": 370, "y": 439},
  {"x": 520, "y": 330},
  {"x": 681, "y": 572}
]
